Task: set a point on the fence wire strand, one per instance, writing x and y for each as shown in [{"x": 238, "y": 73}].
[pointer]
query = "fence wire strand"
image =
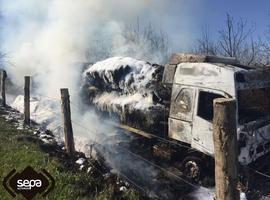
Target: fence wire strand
[
  {"x": 178, "y": 144},
  {"x": 145, "y": 160},
  {"x": 55, "y": 99}
]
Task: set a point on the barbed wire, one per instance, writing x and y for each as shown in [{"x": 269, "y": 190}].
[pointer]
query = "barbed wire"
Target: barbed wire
[
  {"x": 52, "y": 98},
  {"x": 57, "y": 127},
  {"x": 254, "y": 170},
  {"x": 81, "y": 126},
  {"x": 17, "y": 88},
  {"x": 76, "y": 106},
  {"x": 185, "y": 146},
  {"x": 141, "y": 158},
  {"x": 158, "y": 137},
  {"x": 121, "y": 175},
  {"x": 118, "y": 172},
  {"x": 49, "y": 110},
  {"x": 152, "y": 135},
  {"x": 258, "y": 172}
]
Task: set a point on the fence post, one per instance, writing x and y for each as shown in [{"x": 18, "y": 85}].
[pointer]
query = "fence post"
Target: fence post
[
  {"x": 66, "y": 115},
  {"x": 226, "y": 151},
  {"x": 27, "y": 100},
  {"x": 3, "y": 76}
]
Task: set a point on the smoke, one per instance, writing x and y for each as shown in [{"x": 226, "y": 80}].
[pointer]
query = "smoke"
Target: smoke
[
  {"x": 46, "y": 38},
  {"x": 50, "y": 39}
]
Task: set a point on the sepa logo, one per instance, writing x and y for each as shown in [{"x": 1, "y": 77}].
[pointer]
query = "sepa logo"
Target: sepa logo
[{"x": 29, "y": 183}]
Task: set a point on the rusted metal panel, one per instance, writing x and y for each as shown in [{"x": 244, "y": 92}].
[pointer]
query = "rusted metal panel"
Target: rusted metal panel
[
  {"x": 252, "y": 79},
  {"x": 178, "y": 58},
  {"x": 131, "y": 130},
  {"x": 168, "y": 74},
  {"x": 257, "y": 75},
  {"x": 254, "y": 140},
  {"x": 180, "y": 130},
  {"x": 163, "y": 150}
]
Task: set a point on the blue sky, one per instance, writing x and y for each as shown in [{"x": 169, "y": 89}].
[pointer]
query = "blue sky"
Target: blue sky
[
  {"x": 253, "y": 11},
  {"x": 183, "y": 20},
  {"x": 198, "y": 13}
]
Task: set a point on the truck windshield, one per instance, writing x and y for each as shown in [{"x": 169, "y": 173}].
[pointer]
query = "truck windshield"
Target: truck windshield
[{"x": 253, "y": 104}]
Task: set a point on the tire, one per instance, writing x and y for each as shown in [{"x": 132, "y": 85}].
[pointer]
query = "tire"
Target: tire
[{"x": 192, "y": 168}]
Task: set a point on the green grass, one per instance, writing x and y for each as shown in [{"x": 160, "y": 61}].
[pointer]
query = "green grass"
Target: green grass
[{"x": 17, "y": 154}]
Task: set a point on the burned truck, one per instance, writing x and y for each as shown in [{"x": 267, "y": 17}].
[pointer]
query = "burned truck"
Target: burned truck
[{"x": 175, "y": 102}]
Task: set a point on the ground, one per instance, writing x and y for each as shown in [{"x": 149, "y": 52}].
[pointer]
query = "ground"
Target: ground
[{"x": 21, "y": 148}]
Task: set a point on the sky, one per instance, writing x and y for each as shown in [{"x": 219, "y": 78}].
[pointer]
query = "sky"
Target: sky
[
  {"x": 253, "y": 11},
  {"x": 211, "y": 13},
  {"x": 183, "y": 20}
]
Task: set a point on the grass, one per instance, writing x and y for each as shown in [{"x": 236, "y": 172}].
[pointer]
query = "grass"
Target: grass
[{"x": 18, "y": 154}]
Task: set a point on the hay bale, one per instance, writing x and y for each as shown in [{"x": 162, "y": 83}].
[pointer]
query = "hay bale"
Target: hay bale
[{"x": 129, "y": 89}]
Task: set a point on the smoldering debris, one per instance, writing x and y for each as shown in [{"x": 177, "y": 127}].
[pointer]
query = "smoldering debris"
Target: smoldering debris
[
  {"x": 44, "y": 111},
  {"x": 128, "y": 89}
]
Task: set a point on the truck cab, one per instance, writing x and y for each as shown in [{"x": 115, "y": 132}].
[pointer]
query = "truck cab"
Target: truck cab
[{"x": 196, "y": 81}]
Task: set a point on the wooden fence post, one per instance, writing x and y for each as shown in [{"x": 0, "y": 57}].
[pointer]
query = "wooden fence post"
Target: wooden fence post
[
  {"x": 27, "y": 100},
  {"x": 226, "y": 151},
  {"x": 66, "y": 114},
  {"x": 3, "y": 77}
]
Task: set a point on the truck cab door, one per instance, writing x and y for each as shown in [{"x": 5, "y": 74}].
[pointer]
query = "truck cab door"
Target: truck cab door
[
  {"x": 181, "y": 113},
  {"x": 202, "y": 132}
]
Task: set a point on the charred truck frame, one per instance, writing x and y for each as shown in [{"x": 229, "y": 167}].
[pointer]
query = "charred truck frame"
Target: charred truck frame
[
  {"x": 193, "y": 82},
  {"x": 196, "y": 81}
]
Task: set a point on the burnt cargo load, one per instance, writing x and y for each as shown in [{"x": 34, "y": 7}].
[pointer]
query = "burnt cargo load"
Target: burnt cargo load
[
  {"x": 136, "y": 92},
  {"x": 129, "y": 90}
]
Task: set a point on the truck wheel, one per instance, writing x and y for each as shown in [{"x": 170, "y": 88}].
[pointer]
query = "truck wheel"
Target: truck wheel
[{"x": 192, "y": 168}]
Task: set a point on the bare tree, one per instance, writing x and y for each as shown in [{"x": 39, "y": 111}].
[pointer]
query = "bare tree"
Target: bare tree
[
  {"x": 205, "y": 45},
  {"x": 155, "y": 42},
  {"x": 234, "y": 40},
  {"x": 2, "y": 54},
  {"x": 266, "y": 48},
  {"x": 142, "y": 42},
  {"x": 99, "y": 49},
  {"x": 3, "y": 60},
  {"x": 266, "y": 54}
]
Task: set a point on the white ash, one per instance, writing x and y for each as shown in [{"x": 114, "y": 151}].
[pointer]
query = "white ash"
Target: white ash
[
  {"x": 43, "y": 111},
  {"x": 134, "y": 75},
  {"x": 122, "y": 189},
  {"x": 46, "y": 141},
  {"x": 127, "y": 90},
  {"x": 209, "y": 194},
  {"x": 81, "y": 167},
  {"x": 89, "y": 169},
  {"x": 123, "y": 81},
  {"x": 106, "y": 175},
  {"x": 80, "y": 161},
  {"x": 16, "y": 118}
]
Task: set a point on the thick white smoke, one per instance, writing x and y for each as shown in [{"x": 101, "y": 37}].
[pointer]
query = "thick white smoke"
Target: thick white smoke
[{"x": 48, "y": 39}]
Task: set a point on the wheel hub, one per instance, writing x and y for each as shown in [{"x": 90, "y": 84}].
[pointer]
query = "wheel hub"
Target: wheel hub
[{"x": 192, "y": 170}]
